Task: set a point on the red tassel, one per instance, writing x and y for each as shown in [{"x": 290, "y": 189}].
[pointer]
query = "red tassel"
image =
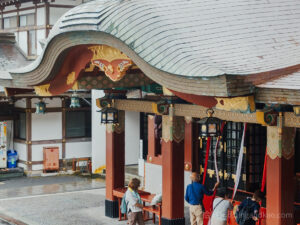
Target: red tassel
[
  {"x": 263, "y": 183},
  {"x": 206, "y": 159}
]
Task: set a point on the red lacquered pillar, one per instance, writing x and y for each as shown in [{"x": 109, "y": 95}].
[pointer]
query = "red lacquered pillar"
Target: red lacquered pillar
[
  {"x": 173, "y": 170},
  {"x": 115, "y": 162},
  {"x": 280, "y": 176}
]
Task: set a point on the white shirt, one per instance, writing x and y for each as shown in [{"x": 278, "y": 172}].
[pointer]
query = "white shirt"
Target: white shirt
[
  {"x": 132, "y": 200},
  {"x": 221, "y": 207}
]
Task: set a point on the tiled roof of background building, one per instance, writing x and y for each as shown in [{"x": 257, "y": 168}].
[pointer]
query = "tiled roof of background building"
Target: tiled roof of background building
[{"x": 10, "y": 55}]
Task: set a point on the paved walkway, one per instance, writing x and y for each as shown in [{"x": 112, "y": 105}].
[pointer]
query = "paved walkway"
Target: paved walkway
[{"x": 62, "y": 200}]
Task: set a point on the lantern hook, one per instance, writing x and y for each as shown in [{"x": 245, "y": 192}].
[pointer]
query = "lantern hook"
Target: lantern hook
[{"x": 210, "y": 112}]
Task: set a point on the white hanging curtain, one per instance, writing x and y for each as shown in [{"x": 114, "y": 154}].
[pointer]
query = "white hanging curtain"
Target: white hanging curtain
[{"x": 239, "y": 163}]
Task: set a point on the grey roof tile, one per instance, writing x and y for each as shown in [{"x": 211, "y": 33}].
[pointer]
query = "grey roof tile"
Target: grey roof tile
[{"x": 196, "y": 37}]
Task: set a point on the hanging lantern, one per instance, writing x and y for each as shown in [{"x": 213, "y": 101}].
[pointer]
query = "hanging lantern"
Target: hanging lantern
[
  {"x": 209, "y": 126},
  {"x": 297, "y": 110},
  {"x": 109, "y": 115},
  {"x": 40, "y": 107},
  {"x": 75, "y": 101}
]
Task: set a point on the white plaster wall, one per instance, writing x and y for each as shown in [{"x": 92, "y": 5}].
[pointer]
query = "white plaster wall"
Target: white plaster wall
[
  {"x": 37, "y": 167},
  {"x": 22, "y": 151},
  {"x": 153, "y": 178},
  {"x": 30, "y": 11},
  {"x": 22, "y": 166},
  {"x": 56, "y": 13},
  {"x": 132, "y": 137},
  {"x": 41, "y": 16},
  {"x": 47, "y": 126},
  {"x": 9, "y": 14},
  {"x": 37, "y": 151},
  {"x": 78, "y": 150},
  {"x": 187, "y": 181},
  {"x": 17, "y": 36},
  {"x": 98, "y": 134},
  {"x": 21, "y": 103},
  {"x": 23, "y": 44},
  {"x": 9, "y": 8},
  {"x": 54, "y": 102},
  {"x": 68, "y": 2},
  {"x": 26, "y": 5},
  {"x": 40, "y": 35}
]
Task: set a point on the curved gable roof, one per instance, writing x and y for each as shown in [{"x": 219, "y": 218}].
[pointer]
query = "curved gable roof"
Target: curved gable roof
[
  {"x": 197, "y": 37},
  {"x": 185, "y": 45}
]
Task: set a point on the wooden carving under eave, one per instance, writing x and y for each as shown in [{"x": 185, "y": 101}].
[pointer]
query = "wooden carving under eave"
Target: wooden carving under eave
[
  {"x": 71, "y": 78},
  {"x": 267, "y": 117},
  {"x": 42, "y": 90},
  {"x": 243, "y": 104},
  {"x": 111, "y": 61}
]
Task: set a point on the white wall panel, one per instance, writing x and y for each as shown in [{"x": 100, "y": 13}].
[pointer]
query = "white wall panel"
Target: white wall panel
[
  {"x": 153, "y": 178},
  {"x": 41, "y": 16},
  {"x": 23, "y": 44},
  {"x": 54, "y": 102},
  {"x": 47, "y": 126},
  {"x": 9, "y": 14},
  {"x": 78, "y": 149},
  {"x": 21, "y": 103},
  {"x": 22, "y": 166},
  {"x": 37, "y": 167},
  {"x": 187, "y": 181},
  {"x": 22, "y": 150},
  {"x": 132, "y": 137},
  {"x": 40, "y": 35},
  {"x": 37, "y": 151},
  {"x": 26, "y": 5},
  {"x": 56, "y": 13},
  {"x": 68, "y": 2},
  {"x": 98, "y": 134},
  {"x": 30, "y": 11}
]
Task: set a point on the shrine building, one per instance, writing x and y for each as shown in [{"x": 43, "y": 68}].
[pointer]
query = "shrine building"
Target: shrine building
[{"x": 176, "y": 63}]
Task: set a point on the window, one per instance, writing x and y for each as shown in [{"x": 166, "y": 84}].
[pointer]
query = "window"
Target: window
[
  {"x": 27, "y": 20},
  {"x": 144, "y": 134},
  {"x": 256, "y": 148},
  {"x": 234, "y": 133},
  {"x": 10, "y": 22},
  {"x": 20, "y": 126},
  {"x": 78, "y": 124},
  {"x": 227, "y": 157}
]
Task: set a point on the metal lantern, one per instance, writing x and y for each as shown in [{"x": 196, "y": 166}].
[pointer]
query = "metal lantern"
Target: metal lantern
[
  {"x": 297, "y": 110},
  {"x": 209, "y": 126},
  {"x": 109, "y": 115},
  {"x": 75, "y": 101},
  {"x": 40, "y": 107}
]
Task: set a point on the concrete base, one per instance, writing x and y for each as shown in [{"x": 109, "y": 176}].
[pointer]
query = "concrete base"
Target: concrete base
[
  {"x": 40, "y": 173},
  {"x": 111, "y": 209}
]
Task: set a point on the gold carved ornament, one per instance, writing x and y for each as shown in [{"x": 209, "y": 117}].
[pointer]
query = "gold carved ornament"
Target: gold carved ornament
[
  {"x": 111, "y": 61},
  {"x": 42, "y": 90},
  {"x": 236, "y": 104}
]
